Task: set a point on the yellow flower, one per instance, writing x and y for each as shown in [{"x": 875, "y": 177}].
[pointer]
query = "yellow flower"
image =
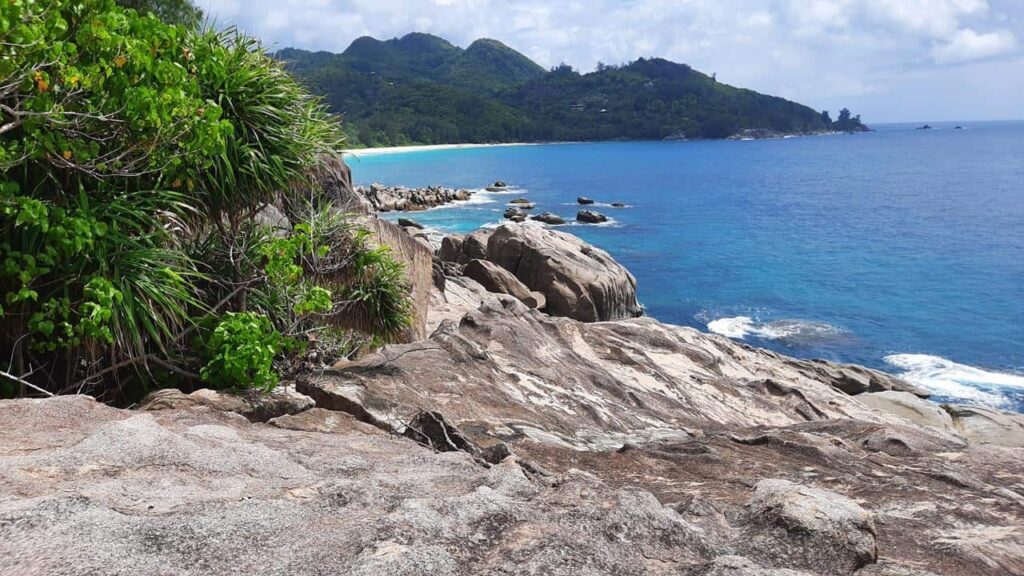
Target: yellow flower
[
  {"x": 120, "y": 60},
  {"x": 67, "y": 154},
  {"x": 73, "y": 80}
]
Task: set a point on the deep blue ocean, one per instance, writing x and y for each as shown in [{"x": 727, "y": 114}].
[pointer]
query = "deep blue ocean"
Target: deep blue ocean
[{"x": 901, "y": 249}]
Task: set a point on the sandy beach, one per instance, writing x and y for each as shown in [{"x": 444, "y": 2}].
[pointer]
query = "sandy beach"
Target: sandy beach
[{"x": 360, "y": 152}]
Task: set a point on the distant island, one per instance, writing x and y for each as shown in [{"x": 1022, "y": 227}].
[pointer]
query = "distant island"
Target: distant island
[{"x": 421, "y": 89}]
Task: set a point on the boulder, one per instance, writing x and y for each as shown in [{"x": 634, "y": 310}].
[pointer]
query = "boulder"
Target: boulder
[
  {"x": 498, "y": 280},
  {"x": 408, "y": 223},
  {"x": 797, "y": 526},
  {"x": 590, "y": 217},
  {"x": 256, "y": 406},
  {"x": 548, "y": 218},
  {"x": 520, "y": 201},
  {"x": 577, "y": 279},
  {"x": 514, "y": 215},
  {"x": 523, "y": 205},
  {"x": 474, "y": 247},
  {"x": 583, "y": 200},
  {"x": 451, "y": 248},
  {"x": 618, "y": 205}
]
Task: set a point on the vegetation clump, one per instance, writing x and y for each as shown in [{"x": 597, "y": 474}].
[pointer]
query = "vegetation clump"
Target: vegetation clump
[{"x": 135, "y": 155}]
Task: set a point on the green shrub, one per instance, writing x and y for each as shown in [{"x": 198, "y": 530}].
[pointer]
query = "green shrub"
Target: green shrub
[{"x": 241, "y": 352}]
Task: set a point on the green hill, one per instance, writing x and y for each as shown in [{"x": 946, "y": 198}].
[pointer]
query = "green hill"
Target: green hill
[{"x": 423, "y": 89}]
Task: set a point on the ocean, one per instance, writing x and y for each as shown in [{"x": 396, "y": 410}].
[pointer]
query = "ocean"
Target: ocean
[{"x": 901, "y": 249}]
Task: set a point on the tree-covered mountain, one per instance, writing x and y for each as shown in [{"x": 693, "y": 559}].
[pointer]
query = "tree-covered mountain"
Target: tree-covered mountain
[{"x": 423, "y": 89}]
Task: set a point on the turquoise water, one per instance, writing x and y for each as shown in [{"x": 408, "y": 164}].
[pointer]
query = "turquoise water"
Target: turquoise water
[{"x": 901, "y": 249}]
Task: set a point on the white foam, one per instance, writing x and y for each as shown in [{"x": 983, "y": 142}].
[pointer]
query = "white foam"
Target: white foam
[
  {"x": 797, "y": 331},
  {"x": 943, "y": 376}
]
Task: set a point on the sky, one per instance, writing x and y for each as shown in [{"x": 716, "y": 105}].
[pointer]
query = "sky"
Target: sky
[{"x": 888, "y": 60}]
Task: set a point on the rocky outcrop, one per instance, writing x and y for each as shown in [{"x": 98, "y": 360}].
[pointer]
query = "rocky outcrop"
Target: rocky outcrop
[
  {"x": 987, "y": 426},
  {"x": 399, "y": 198},
  {"x": 515, "y": 215},
  {"x": 548, "y": 218},
  {"x": 578, "y": 280},
  {"x": 590, "y": 217},
  {"x": 583, "y": 200}
]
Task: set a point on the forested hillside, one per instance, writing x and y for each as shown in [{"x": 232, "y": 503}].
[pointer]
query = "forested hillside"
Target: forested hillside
[{"x": 423, "y": 89}]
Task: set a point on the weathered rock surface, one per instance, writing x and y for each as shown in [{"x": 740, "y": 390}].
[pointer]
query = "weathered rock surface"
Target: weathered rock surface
[
  {"x": 910, "y": 407},
  {"x": 698, "y": 420},
  {"x": 578, "y": 280},
  {"x": 496, "y": 279},
  {"x": 399, "y": 198},
  {"x": 94, "y": 490},
  {"x": 590, "y": 217},
  {"x": 254, "y": 405},
  {"x": 988, "y": 426},
  {"x": 794, "y": 525}
]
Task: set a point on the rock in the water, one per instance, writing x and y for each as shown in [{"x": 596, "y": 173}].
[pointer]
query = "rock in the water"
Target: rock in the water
[
  {"x": 497, "y": 186},
  {"x": 398, "y": 198},
  {"x": 520, "y": 201},
  {"x": 590, "y": 217},
  {"x": 584, "y": 200},
  {"x": 578, "y": 280},
  {"x": 514, "y": 215},
  {"x": 618, "y": 205},
  {"x": 256, "y": 406},
  {"x": 548, "y": 218},
  {"x": 408, "y": 223},
  {"x": 496, "y": 279},
  {"x": 798, "y": 526}
]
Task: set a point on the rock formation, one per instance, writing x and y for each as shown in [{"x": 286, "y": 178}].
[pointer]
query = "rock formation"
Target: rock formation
[
  {"x": 398, "y": 198},
  {"x": 590, "y": 217},
  {"x": 548, "y": 218}
]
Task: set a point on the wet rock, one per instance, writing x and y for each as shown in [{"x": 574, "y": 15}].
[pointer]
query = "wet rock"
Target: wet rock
[
  {"x": 399, "y": 198},
  {"x": 578, "y": 280},
  {"x": 548, "y": 218},
  {"x": 618, "y": 205},
  {"x": 798, "y": 526},
  {"x": 521, "y": 201},
  {"x": 583, "y": 200},
  {"x": 514, "y": 215},
  {"x": 590, "y": 217}
]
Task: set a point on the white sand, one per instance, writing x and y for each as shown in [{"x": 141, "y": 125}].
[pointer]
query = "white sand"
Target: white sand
[{"x": 403, "y": 149}]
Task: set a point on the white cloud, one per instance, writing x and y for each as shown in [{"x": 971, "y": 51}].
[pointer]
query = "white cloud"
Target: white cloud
[{"x": 967, "y": 45}]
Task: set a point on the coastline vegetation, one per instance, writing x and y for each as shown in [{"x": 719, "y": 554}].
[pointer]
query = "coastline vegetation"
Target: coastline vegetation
[
  {"x": 136, "y": 158},
  {"x": 420, "y": 89}
]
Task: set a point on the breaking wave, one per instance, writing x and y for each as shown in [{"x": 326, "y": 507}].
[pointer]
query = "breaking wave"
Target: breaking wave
[
  {"x": 944, "y": 377},
  {"x": 789, "y": 331}
]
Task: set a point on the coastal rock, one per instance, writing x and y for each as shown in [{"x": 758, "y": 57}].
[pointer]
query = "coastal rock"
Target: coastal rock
[
  {"x": 578, "y": 280},
  {"x": 910, "y": 407},
  {"x": 194, "y": 492},
  {"x": 398, "y": 198},
  {"x": 514, "y": 215},
  {"x": 800, "y": 526},
  {"x": 451, "y": 248},
  {"x": 498, "y": 280},
  {"x": 497, "y": 186},
  {"x": 408, "y": 223},
  {"x": 584, "y": 200},
  {"x": 987, "y": 425},
  {"x": 590, "y": 217},
  {"x": 854, "y": 379},
  {"x": 618, "y": 205},
  {"x": 254, "y": 405},
  {"x": 696, "y": 420},
  {"x": 521, "y": 201},
  {"x": 548, "y": 218}
]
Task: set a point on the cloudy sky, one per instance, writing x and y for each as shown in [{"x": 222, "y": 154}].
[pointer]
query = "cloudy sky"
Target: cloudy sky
[{"x": 890, "y": 60}]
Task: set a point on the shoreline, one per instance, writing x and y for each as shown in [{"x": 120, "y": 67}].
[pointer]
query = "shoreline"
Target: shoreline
[{"x": 357, "y": 152}]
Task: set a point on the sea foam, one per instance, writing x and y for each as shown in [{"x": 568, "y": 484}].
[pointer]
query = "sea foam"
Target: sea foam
[
  {"x": 947, "y": 378},
  {"x": 791, "y": 331}
]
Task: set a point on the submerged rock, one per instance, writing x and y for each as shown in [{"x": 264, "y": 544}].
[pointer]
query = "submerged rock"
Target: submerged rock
[{"x": 584, "y": 200}]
